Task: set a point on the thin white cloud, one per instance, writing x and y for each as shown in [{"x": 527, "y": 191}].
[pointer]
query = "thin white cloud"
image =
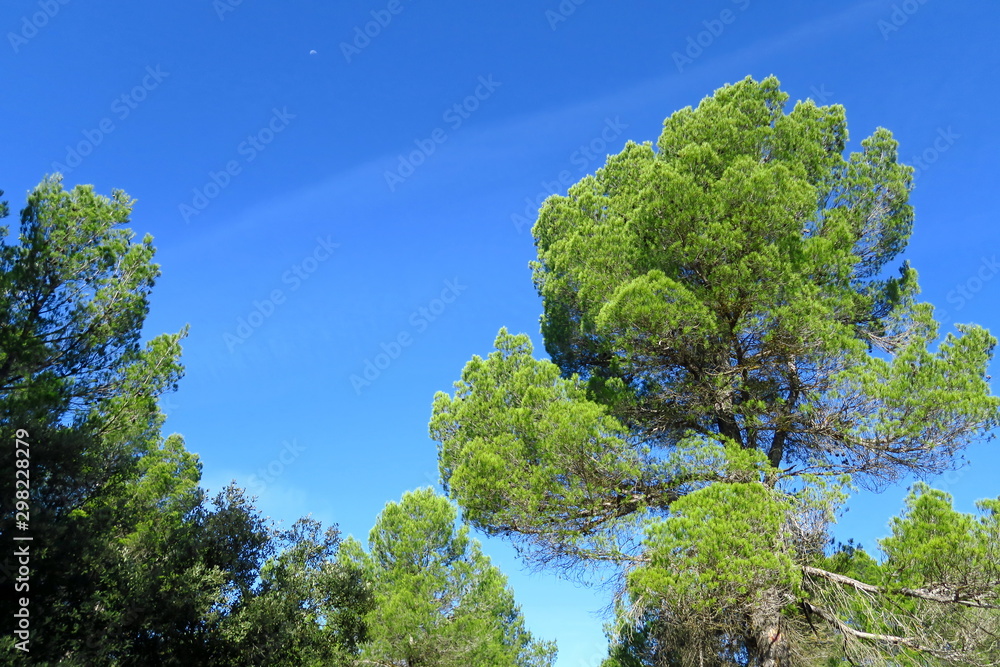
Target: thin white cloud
[{"x": 363, "y": 186}]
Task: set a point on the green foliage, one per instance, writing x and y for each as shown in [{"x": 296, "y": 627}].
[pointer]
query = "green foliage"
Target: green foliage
[
  {"x": 933, "y": 545},
  {"x": 936, "y": 592},
  {"x": 731, "y": 280},
  {"x": 131, "y": 563},
  {"x": 720, "y": 547},
  {"x": 75, "y": 294},
  {"x": 309, "y": 608},
  {"x": 730, "y": 347},
  {"x": 438, "y": 599},
  {"x": 566, "y": 466},
  {"x": 74, "y": 376}
]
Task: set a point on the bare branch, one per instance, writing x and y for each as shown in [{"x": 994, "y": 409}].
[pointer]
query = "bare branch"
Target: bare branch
[
  {"x": 832, "y": 618},
  {"x": 919, "y": 593}
]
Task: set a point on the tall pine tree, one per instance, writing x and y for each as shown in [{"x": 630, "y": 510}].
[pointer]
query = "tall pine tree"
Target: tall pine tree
[{"x": 729, "y": 347}]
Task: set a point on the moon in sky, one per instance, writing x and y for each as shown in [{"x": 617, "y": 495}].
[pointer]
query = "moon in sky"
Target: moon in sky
[{"x": 313, "y": 52}]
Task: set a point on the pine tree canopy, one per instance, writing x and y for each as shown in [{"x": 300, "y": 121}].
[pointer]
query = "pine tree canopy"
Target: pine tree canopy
[{"x": 733, "y": 340}]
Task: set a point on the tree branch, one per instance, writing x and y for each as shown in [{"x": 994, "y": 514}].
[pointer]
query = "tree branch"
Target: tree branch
[
  {"x": 832, "y": 618},
  {"x": 918, "y": 593}
]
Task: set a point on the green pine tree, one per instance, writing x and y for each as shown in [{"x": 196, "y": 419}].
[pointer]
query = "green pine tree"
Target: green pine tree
[
  {"x": 130, "y": 562},
  {"x": 728, "y": 349},
  {"x": 439, "y": 602}
]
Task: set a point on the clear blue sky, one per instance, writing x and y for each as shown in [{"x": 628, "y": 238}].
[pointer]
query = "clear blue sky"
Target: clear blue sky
[{"x": 261, "y": 170}]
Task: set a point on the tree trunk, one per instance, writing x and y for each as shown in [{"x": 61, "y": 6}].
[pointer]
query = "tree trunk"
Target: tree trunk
[{"x": 770, "y": 645}]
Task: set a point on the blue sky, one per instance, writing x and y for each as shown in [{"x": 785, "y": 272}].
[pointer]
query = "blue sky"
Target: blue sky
[{"x": 315, "y": 210}]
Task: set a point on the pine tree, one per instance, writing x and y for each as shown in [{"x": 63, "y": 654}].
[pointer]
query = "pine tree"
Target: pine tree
[
  {"x": 438, "y": 601},
  {"x": 729, "y": 350}
]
